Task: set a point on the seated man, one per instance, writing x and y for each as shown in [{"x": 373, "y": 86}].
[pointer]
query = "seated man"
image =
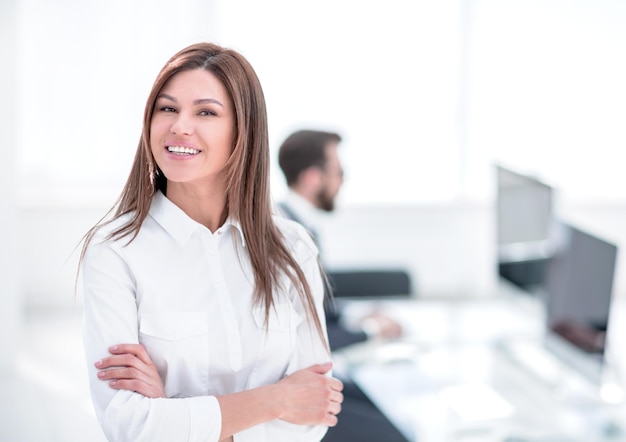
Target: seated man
[{"x": 310, "y": 162}]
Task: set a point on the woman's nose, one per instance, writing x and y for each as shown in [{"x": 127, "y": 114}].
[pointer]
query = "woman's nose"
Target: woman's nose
[{"x": 183, "y": 125}]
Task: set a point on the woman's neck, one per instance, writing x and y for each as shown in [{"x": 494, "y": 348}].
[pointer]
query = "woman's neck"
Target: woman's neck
[{"x": 203, "y": 204}]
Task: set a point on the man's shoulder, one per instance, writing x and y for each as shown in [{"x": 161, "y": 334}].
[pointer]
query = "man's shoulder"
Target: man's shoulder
[
  {"x": 294, "y": 233},
  {"x": 288, "y": 226},
  {"x": 286, "y": 210}
]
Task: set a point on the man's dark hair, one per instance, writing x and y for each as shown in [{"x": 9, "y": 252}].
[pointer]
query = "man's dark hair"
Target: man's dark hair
[{"x": 304, "y": 149}]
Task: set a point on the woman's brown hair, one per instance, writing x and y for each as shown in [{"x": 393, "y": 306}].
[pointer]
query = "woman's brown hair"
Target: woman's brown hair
[{"x": 247, "y": 174}]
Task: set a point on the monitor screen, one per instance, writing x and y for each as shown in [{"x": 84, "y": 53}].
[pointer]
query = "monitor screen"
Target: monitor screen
[
  {"x": 524, "y": 215},
  {"x": 578, "y": 295}
]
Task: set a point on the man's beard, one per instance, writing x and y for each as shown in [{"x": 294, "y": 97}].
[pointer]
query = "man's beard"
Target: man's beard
[{"x": 325, "y": 201}]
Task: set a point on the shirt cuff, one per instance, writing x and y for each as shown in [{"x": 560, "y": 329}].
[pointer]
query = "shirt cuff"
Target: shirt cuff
[{"x": 205, "y": 418}]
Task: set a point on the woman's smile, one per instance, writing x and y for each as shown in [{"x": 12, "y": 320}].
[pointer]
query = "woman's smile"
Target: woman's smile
[{"x": 182, "y": 150}]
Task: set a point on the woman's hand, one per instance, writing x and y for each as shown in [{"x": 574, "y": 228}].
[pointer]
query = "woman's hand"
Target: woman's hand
[
  {"x": 130, "y": 368},
  {"x": 309, "y": 397}
]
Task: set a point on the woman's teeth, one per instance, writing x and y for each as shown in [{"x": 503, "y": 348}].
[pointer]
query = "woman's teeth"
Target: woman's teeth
[{"x": 182, "y": 150}]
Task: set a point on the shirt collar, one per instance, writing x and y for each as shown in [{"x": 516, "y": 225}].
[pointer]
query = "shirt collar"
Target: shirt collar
[{"x": 178, "y": 224}]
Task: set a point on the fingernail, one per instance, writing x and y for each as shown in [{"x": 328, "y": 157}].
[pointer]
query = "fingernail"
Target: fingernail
[
  {"x": 112, "y": 383},
  {"x": 100, "y": 374},
  {"x": 113, "y": 347},
  {"x": 98, "y": 363}
]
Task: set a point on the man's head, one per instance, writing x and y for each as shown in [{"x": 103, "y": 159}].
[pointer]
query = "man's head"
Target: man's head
[{"x": 310, "y": 162}]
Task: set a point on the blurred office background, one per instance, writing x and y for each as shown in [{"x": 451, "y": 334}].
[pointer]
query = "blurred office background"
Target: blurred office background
[{"x": 428, "y": 96}]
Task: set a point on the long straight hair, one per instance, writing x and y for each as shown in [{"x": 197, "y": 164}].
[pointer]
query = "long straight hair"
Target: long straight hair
[{"x": 247, "y": 175}]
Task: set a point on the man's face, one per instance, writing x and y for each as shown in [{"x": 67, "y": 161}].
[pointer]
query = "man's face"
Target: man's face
[{"x": 332, "y": 179}]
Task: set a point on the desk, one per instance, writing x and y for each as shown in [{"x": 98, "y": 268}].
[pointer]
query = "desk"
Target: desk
[{"x": 475, "y": 370}]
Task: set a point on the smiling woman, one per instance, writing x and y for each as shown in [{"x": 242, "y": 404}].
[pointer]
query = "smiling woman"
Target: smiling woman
[
  {"x": 231, "y": 338},
  {"x": 191, "y": 135}
]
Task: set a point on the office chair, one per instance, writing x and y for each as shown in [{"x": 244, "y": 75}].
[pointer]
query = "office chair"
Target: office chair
[{"x": 370, "y": 283}]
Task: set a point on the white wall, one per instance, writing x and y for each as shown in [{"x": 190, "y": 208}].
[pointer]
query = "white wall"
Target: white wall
[
  {"x": 448, "y": 248},
  {"x": 546, "y": 93},
  {"x": 50, "y": 235},
  {"x": 383, "y": 74},
  {"x": 85, "y": 71},
  {"x": 10, "y": 296}
]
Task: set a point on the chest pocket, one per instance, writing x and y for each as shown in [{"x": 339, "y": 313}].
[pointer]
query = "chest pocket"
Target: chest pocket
[
  {"x": 178, "y": 343},
  {"x": 279, "y": 334}
]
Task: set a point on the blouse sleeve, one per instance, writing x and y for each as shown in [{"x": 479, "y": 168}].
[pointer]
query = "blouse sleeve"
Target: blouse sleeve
[
  {"x": 310, "y": 349},
  {"x": 110, "y": 317}
]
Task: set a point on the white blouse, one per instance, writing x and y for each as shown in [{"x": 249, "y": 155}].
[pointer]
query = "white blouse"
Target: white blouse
[{"x": 186, "y": 294}]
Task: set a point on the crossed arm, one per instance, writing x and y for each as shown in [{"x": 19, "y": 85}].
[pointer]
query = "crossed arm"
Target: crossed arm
[{"x": 306, "y": 397}]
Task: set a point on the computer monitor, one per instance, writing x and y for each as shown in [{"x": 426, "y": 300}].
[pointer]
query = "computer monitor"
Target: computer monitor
[
  {"x": 524, "y": 214},
  {"x": 578, "y": 297}
]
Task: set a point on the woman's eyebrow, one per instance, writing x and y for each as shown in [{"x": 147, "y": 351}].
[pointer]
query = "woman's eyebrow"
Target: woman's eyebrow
[
  {"x": 195, "y": 102},
  {"x": 207, "y": 101},
  {"x": 168, "y": 97}
]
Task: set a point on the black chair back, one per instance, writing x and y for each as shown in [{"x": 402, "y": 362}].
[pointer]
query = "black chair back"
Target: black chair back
[{"x": 370, "y": 283}]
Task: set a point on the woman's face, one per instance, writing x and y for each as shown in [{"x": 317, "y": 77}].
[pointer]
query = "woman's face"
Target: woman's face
[{"x": 192, "y": 128}]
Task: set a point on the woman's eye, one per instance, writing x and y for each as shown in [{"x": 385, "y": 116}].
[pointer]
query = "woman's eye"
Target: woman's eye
[
  {"x": 167, "y": 109},
  {"x": 206, "y": 112}
]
